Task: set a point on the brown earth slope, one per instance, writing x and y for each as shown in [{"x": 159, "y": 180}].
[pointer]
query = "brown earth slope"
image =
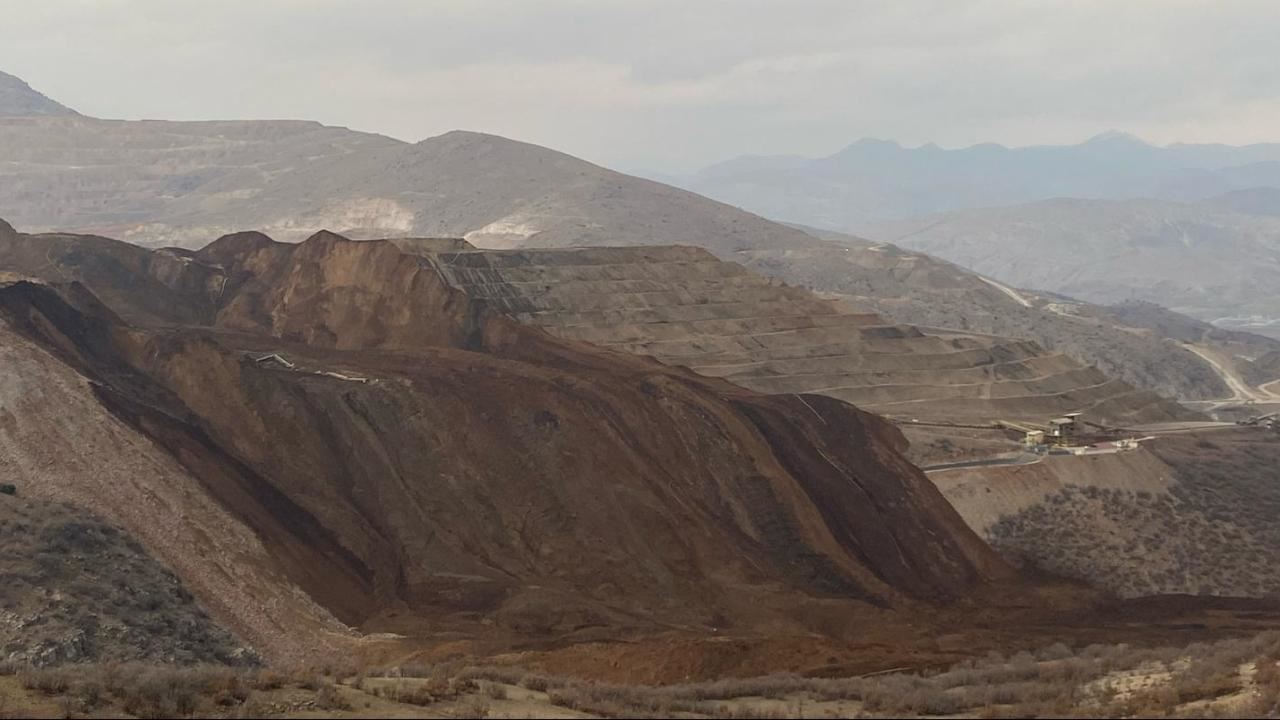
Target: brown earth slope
[{"x": 422, "y": 465}]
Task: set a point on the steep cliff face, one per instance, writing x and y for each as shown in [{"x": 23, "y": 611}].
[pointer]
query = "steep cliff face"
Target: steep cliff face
[
  {"x": 418, "y": 462},
  {"x": 332, "y": 292}
]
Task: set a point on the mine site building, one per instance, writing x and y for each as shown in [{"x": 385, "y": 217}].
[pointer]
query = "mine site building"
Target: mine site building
[{"x": 1063, "y": 427}]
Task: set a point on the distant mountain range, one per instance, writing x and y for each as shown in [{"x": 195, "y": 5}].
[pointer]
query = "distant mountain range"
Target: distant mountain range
[
  {"x": 1192, "y": 227},
  {"x": 1214, "y": 264},
  {"x": 1145, "y": 345},
  {"x": 873, "y": 181}
]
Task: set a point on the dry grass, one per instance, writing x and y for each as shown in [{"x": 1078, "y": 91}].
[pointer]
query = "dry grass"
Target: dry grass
[
  {"x": 140, "y": 690},
  {"x": 1056, "y": 681},
  {"x": 1098, "y": 680}
]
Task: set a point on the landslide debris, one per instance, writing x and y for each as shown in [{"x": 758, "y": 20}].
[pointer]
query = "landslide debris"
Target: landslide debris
[{"x": 486, "y": 478}]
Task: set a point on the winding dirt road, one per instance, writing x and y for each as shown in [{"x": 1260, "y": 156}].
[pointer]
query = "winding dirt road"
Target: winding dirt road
[
  {"x": 1241, "y": 391},
  {"x": 1007, "y": 291}
]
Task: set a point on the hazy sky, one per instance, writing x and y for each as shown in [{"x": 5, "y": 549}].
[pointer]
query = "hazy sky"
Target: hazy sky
[{"x": 671, "y": 85}]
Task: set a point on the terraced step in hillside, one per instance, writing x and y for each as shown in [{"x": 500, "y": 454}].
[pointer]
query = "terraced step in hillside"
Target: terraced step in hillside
[{"x": 684, "y": 306}]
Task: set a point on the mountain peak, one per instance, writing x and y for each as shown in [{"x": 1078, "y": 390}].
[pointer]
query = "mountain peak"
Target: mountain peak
[
  {"x": 876, "y": 143},
  {"x": 1116, "y": 137},
  {"x": 18, "y": 99}
]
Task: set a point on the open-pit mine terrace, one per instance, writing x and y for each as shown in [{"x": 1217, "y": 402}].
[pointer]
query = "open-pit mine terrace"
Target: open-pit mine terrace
[{"x": 683, "y": 306}]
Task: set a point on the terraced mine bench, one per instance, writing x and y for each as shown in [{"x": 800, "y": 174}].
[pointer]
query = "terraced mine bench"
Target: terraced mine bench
[{"x": 683, "y": 306}]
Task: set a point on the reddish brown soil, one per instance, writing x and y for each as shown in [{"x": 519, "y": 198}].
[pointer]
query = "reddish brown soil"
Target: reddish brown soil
[
  {"x": 496, "y": 491},
  {"x": 491, "y": 482}
]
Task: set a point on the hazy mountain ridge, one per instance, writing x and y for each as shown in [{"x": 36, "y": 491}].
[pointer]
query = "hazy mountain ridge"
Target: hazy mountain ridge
[
  {"x": 179, "y": 183},
  {"x": 874, "y": 181},
  {"x": 1191, "y": 227},
  {"x": 1251, "y": 201},
  {"x": 1198, "y": 260},
  {"x": 912, "y": 287}
]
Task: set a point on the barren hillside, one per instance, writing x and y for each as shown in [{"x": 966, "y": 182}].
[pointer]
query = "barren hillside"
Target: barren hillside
[
  {"x": 1141, "y": 343},
  {"x": 180, "y": 183},
  {"x": 685, "y": 307},
  {"x": 415, "y": 463},
  {"x": 1213, "y": 264}
]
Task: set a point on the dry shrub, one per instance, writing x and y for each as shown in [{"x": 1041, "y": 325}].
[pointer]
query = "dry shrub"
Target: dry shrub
[
  {"x": 413, "y": 694},
  {"x": 154, "y": 700},
  {"x": 330, "y": 698},
  {"x": 494, "y": 690},
  {"x": 267, "y": 680},
  {"x": 253, "y": 709},
  {"x": 141, "y": 690},
  {"x": 48, "y": 681},
  {"x": 360, "y": 680},
  {"x": 535, "y": 682},
  {"x": 415, "y": 671},
  {"x": 312, "y": 682},
  {"x": 1054, "y": 682},
  {"x": 427, "y": 691},
  {"x": 504, "y": 675},
  {"x": 473, "y": 707},
  {"x": 1205, "y": 686},
  {"x": 563, "y": 697}
]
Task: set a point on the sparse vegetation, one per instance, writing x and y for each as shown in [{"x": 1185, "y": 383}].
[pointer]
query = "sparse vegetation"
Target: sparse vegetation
[
  {"x": 1223, "y": 500},
  {"x": 1237, "y": 677},
  {"x": 84, "y": 590}
]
